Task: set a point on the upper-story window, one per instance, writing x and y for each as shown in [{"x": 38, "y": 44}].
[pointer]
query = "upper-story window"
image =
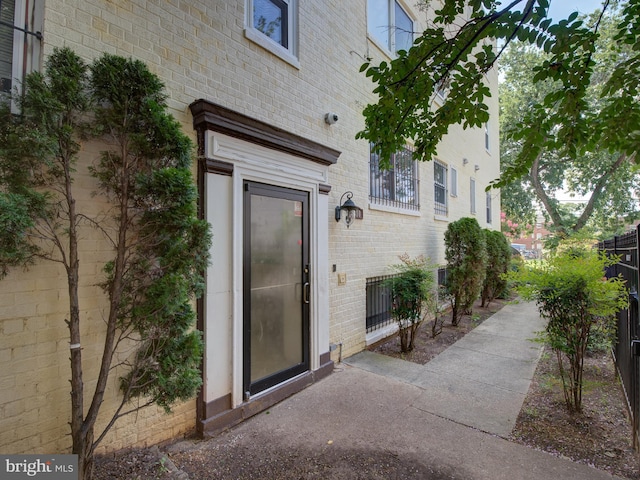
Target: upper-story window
[
  {"x": 454, "y": 182},
  {"x": 273, "y": 24},
  {"x": 487, "y": 139},
  {"x": 389, "y": 24},
  {"x": 440, "y": 187},
  {"x": 396, "y": 186},
  {"x": 472, "y": 195},
  {"x": 20, "y": 27},
  {"x": 489, "y": 215}
]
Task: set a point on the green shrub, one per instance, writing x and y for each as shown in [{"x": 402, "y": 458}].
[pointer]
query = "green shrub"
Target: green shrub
[
  {"x": 465, "y": 252},
  {"x": 498, "y": 259},
  {"x": 160, "y": 246},
  {"x": 413, "y": 297},
  {"x": 578, "y": 301}
]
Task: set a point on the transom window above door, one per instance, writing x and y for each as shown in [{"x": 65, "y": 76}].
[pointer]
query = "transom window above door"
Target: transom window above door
[
  {"x": 273, "y": 24},
  {"x": 389, "y": 25}
]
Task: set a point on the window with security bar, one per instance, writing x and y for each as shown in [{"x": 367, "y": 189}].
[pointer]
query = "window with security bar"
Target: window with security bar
[
  {"x": 440, "y": 187},
  {"x": 20, "y": 38},
  {"x": 396, "y": 186}
]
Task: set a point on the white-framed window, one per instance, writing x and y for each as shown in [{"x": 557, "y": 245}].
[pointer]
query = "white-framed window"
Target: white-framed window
[
  {"x": 442, "y": 90},
  {"x": 489, "y": 208},
  {"x": 273, "y": 24},
  {"x": 487, "y": 139},
  {"x": 440, "y": 187},
  {"x": 454, "y": 182},
  {"x": 396, "y": 186},
  {"x": 20, "y": 38},
  {"x": 472, "y": 195},
  {"x": 389, "y": 25}
]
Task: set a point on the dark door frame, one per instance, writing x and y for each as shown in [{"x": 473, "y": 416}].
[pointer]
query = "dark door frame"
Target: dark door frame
[{"x": 251, "y": 188}]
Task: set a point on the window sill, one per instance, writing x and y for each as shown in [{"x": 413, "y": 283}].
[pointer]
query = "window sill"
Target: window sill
[
  {"x": 380, "y": 46},
  {"x": 398, "y": 210},
  {"x": 440, "y": 218},
  {"x": 381, "y": 334},
  {"x": 259, "y": 38}
]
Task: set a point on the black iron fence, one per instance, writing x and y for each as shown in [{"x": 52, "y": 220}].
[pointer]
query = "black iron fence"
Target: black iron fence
[
  {"x": 627, "y": 247},
  {"x": 379, "y": 300},
  {"x": 378, "y": 303}
]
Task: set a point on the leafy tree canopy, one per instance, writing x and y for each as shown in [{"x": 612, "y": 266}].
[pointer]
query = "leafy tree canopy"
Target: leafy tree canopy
[
  {"x": 604, "y": 179},
  {"x": 458, "y": 53}
]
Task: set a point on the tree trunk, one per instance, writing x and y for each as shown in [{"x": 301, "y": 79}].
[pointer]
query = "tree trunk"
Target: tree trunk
[
  {"x": 437, "y": 326},
  {"x": 551, "y": 207},
  {"x": 404, "y": 339},
  {"x": 455, "y": 317},
  {"x": 84, "y": 449},
  {"x": 79, "y": 433}
]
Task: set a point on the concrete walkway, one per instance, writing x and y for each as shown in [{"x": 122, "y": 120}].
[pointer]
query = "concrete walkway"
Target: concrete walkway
[
  {"x": 380, "y": 418},
  {"x": 481, "y": 380}
]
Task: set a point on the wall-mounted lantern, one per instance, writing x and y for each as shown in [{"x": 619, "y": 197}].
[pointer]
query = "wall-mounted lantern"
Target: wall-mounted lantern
[{"x": 349, "y": 208}]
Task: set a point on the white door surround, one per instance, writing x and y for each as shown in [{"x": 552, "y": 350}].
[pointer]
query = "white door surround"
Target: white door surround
[{"x": 234, "y": 149}]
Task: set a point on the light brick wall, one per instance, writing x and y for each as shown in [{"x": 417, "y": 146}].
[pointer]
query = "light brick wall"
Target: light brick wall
[{"x": 199, "y": 50}]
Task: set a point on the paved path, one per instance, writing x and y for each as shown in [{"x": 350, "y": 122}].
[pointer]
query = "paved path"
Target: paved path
[
  {"x": 380, "y": 418},
  {"x": 481, "y": 380}
]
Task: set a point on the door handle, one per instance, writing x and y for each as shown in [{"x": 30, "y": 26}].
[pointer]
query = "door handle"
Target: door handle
[{"x": 307, "y": 292}]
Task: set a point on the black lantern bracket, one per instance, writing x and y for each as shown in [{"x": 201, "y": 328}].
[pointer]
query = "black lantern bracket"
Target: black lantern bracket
[{"x": 349, "y": 208}]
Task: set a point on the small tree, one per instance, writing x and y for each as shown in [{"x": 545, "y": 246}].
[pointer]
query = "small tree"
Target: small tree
[
  {"x": 160, "y": 246},
  {"x": 576, "y": 299},
  {"x": 443, "y": 299},
  {"x": 413, "y": 297},
  {"x": 465, "y": 252},
  {"x": 498, "y": 258}
]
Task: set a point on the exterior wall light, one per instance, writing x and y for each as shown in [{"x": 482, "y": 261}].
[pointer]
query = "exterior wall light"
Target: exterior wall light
[{"x": 348, "y": 206}]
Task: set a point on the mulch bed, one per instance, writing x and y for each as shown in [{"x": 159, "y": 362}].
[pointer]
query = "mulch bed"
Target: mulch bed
[{"x": 426, "y": 345}]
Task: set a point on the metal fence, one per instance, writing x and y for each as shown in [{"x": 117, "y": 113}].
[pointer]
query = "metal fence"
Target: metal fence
[
  {"x": 627, "y": 247},
  {"x": 378, "y": 303},
  {"x": 379, "y": 300}
]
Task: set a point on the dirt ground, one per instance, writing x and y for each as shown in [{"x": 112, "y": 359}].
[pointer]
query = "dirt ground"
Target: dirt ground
[
  {"x": 426, "y": 346},
  {"x": 600, "y": 437}
]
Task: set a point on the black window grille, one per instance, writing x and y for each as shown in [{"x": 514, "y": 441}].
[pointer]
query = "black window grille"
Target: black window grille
[
  {"x": 14, "y": 38},
  {"x": 442, "y": 276},
  {"x": 378, "y": 303},
  {"x": 440, "y": 187},
  {"x": 397, "y": 186}
]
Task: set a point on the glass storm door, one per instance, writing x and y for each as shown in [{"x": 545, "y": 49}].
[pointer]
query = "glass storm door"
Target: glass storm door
[{"x": 276, "y": 285}]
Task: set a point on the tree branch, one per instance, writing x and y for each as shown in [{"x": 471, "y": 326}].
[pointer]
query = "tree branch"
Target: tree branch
[{"x": 598, "y": 190}]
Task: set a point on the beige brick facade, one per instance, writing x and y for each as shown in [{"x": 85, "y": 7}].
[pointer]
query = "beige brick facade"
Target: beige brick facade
[{"x": 199, "y": 50}]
